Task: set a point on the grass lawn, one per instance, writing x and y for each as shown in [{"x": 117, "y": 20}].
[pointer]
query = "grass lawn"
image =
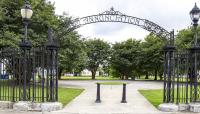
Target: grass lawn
[
  {"x": 65, "y": 95},
  {"x": 155, "y": 96},
  {"x": 87, "y": 78},
  {"x": 112, "y": 83}
]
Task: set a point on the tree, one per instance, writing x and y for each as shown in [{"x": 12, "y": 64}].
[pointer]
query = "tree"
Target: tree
[
  {"x": 125, "y": 58},
  {"x": 185, "y": 38},
  {"x": 152, "y": 56},
  {"x": 71, "y": 53},
  {"x": 98, "y": 53},
  {"x": 11, "y": 26}
]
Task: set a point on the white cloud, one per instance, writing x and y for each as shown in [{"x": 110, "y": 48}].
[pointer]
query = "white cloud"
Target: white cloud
[{"x": 170, "y": 14}]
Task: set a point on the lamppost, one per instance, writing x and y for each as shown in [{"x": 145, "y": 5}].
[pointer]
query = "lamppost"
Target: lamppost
[
  {"x": 195, "y": 15},
  {"x": 25, "y": 46},
  {"x": 26, "y": 13}
]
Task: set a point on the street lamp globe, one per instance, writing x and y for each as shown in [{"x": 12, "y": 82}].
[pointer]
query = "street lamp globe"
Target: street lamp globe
[
  {"x": 195, "y": 14},
  {"x": 26, "y": 11}
]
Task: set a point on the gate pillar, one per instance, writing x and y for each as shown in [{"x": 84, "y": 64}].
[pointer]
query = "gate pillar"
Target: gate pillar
[
  {"x": 52, "y": 68},
  {"x": 25, "y": 69},
  {"x": 169, "y": 50}
]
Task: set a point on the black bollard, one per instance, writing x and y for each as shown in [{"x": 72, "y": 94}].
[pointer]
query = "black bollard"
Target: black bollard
[
  {"x": 98, "y": 99},
  {"x": 124, "y": 94}
]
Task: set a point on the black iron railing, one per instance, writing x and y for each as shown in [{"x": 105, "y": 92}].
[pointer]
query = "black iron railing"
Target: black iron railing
[{"x": 29, "y": 73}]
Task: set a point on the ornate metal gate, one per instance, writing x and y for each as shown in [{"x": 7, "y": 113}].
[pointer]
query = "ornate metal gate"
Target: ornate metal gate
[
  {"x": 181, "y": 75},
  {"x": 182, "y": 69},
  {"x": 29, "y": 73}
]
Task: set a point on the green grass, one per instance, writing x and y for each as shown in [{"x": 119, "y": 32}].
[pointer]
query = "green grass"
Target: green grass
[
  {"x": 87, "y": 78},
  {"x": 66, "y": 95},
  {"x": 112, "y": 83},
  {"x": 155, "y": 97}
]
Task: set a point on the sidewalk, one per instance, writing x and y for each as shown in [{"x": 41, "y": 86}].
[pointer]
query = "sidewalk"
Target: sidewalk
[{"x": 111, "y": 97}]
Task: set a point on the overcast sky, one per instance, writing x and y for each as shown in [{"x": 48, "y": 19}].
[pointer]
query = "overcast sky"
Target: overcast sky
[{"x": 169, "y": 14}]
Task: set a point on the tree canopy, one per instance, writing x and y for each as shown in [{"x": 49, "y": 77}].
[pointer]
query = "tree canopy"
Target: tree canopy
[
  {"x": 98, "y": 53},
  {"x": 11, "y": 25},
  {"x": 185, "y": 38},
  {"x": 71, "y": 54},
  {"x": 127, "y": 59}
]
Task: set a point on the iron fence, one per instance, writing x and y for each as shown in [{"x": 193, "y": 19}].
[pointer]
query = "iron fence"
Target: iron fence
[
  {"x": 182, "y": 75},
  {"x": 29, "y": 74}
]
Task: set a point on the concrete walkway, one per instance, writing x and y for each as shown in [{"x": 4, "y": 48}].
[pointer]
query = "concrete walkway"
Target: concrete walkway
[{"x": 111, "y": 97}]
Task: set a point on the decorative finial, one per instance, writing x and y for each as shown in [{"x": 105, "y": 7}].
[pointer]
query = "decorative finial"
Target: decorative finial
[
  {"x": 112, "y": 12},
  {"x": 112, "y": 9},
  {"x": 195, "y": 5},
  {"x": 51, "y": 44}
]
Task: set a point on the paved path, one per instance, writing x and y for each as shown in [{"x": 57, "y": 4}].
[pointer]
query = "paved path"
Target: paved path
[{"x": 111, "y": 96}]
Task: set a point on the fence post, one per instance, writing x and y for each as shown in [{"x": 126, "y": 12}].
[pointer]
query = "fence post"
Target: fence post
[{"x": 52, "y": 68}]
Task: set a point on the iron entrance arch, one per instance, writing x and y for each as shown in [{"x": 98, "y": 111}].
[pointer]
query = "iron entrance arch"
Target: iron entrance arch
[
  {"x": 169, "y": 49},
  {"x": 116, "y": 16}
]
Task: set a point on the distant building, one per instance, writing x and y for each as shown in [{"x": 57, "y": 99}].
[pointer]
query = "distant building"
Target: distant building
[
  {"x": 2, "y": 68},
  {"x": 86, "y": 72}
]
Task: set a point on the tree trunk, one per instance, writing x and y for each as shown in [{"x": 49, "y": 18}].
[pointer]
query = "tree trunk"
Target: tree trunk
[
  {"x": 93, "y": 74},
  {"x": 126, "y": 77},
  {"x": 122, "y": 77},
  {"x": 60, "y": 73},
  {"x": 133, "y": 77},
  {"x": 139, "y": 76},
  {"x": 147, "y": 76},
  {"x": 76, "y": 74},
  {"x": 160, "y": 75},
  {"x": 155, "y": 75}
]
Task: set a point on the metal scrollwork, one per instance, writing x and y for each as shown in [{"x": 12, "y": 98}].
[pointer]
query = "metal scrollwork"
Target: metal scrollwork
[
  {"x": 116, "y": 16},
  {"x": 112, "y": 12}
]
